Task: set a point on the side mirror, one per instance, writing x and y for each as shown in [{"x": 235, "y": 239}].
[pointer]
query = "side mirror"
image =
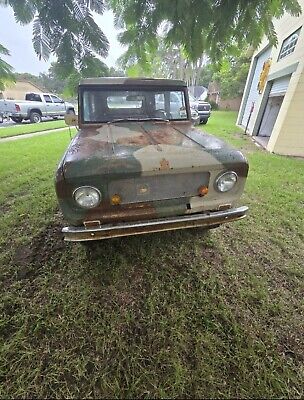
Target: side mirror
[{"x": 71, "y": 119}]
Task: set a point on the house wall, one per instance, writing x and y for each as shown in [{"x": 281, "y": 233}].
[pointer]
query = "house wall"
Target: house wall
[
  {"x": 288, "y": 132},
  {"x": 18, "y": 90}
]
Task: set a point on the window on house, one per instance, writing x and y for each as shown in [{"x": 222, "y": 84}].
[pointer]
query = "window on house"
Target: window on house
[{"x": 289, "y": 44}]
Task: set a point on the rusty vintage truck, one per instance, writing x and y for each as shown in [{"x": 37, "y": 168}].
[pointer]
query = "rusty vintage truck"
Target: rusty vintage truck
[{"x": 138, "y": 165}]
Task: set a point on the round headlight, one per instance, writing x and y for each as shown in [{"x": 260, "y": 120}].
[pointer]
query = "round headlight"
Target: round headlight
[
  {"x": 226, "y": 181},
  {"x": 87, "y": 196}
]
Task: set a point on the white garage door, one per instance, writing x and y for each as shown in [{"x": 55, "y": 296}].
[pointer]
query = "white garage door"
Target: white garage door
[
  {"x": 273, "y": 106},
  {"x": 253, "y": 92},
  {"x": 270, "y": 115},
  {"x": 279, "y": 86}
]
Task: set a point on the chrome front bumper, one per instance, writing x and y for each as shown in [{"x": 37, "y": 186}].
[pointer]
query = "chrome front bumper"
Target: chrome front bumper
[{"x": 208, "y": 219}]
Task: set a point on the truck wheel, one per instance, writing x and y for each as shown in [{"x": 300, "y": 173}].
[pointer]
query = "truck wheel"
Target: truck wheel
[
  {"x": 17, "y": 120},
  {"x": 204, "y": 121},
  {"x": 35, "y": 117}
]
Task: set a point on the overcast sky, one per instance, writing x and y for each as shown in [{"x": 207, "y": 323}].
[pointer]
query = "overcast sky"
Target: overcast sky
[{"x": 18, "y": 40}]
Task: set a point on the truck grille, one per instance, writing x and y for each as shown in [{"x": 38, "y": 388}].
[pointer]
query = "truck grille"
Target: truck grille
[
  {"x": 202, "y": 107},
  {"x": 160, "y": 187}
]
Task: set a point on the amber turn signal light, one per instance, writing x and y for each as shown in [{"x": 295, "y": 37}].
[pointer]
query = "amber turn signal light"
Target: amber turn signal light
[
  {"x": 115, "y": 200},
  {"x": 202, "y": 190}
]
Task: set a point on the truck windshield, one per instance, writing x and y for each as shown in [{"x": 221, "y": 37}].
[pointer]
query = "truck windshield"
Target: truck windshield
[{"x": 104, "y": 105}]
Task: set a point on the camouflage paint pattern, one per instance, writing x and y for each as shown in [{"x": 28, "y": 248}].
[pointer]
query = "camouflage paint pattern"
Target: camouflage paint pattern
[{"x": 124, "y": 157}]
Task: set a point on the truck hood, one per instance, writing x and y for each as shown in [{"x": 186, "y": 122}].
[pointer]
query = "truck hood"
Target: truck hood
[{"x": 145, "y": 147}]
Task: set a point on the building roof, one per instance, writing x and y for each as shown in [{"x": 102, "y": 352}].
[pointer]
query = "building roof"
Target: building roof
[
  {"x": 132, "y": 81},
  {"x": 14, "y": 86},
  {"x": 31, "y": 83}
]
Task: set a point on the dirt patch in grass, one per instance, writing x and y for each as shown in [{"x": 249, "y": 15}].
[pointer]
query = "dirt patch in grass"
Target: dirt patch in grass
[
  {"x": 47, "y": 246},
  {"x": 5, "y": 208}
]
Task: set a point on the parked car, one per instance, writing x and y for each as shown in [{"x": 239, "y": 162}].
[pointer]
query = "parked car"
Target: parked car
[
  {"x": 176, "y": 103},
  {"x": 35, "y": 106},
  {"x": 135, "y": 168},
  {"x": 203, "y": 108}
]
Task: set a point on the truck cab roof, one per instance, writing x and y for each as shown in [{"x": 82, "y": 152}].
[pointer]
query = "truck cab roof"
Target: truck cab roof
[
  {"x": 132, "y": 81},
  {"x": 42, "y": 94}
]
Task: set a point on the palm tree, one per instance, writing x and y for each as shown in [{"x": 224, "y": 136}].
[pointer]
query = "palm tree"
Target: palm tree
[
  {"x": 65, "y": 29},
  {"x": 6, "y": 70}
]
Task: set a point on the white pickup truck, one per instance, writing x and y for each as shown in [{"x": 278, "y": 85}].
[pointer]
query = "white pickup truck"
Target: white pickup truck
[{"x": 34, "y": 107}]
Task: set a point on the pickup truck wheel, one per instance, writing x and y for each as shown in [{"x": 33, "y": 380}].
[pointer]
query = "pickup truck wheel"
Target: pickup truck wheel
[
  {"x": 204, "y": 121},
  {"x": 17, "y": 120},
  {"x": 35, "y": 117}
]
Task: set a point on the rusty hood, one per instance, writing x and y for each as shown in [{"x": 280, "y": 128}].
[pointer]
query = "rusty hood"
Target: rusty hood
[{"x": 144, "y": 147}]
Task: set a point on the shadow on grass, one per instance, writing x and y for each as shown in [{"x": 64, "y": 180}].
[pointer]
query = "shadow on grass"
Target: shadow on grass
[{"x": 104, "y": 257}]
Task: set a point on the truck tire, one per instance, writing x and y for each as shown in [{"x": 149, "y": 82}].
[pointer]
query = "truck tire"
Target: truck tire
[
  {"x": 35, "y": 117},
  {"x": 204, "y": 121},
  {"x": 18, "y": 120}
]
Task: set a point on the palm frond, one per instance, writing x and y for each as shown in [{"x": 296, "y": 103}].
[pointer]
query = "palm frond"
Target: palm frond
[
  {"x": 80, "y": 10},
  {"x": 24, "y": 10},
  {"x": 6, "y": 70},
  {"x": 41, "y": 41},
  {"x": 4, "y": 50},
  {"x": 97, "y": 6}
]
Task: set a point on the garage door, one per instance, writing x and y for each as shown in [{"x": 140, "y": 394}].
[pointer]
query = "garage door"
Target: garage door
[
  {"x": 279, "y": 86},
  {"x": 273, "y": 106},
  {"x": 270, "y": 115},
  {"x": 254, "y": 95}
]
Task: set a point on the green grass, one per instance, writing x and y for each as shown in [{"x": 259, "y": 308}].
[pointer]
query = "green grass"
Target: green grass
[
  {"x": 24, "y": 128},
  {"x": 180, "y": 314}
]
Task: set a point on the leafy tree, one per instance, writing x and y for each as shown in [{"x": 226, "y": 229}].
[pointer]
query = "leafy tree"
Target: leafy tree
[
  {"x": 65, "y": 29},
  {"x": 197, "y": 26},
  {"x": 232, "y": 75},
  {"x": 94, "y": 68},
  {"x": 206, "y": 74},
  {"x": 164, "y": 62},
  {"x": 6, "y": 71},
  {"x": 116, "y": 72}
]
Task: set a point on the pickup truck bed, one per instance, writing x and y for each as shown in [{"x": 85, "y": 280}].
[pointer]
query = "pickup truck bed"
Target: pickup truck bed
[{"x": 34, "y": 107}]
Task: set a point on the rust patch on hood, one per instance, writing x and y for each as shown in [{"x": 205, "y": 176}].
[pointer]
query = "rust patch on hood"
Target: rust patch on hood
[{"x": 138, "y": 146}]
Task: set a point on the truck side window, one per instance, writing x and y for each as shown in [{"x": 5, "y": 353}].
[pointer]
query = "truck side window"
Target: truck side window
[
  {"x": 47, "y": 98},
  {"x": 33, "y": 97},
  {"x": 56, "y": 99}
]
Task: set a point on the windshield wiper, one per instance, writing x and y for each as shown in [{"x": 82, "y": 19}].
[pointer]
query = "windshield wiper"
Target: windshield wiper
[
  {"x": 137, "y": 119},
  {"x": 154, "y": 119}
]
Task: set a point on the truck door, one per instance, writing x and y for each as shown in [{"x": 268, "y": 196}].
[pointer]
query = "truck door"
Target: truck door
[
  {"x": 50, "y": 109},
  {"x": 59, "y": 105}
]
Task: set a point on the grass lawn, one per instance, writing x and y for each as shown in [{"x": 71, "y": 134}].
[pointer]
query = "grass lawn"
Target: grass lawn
[
  {"x": 21, "y": 129},
  {"x": 177, "y": 314}
]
